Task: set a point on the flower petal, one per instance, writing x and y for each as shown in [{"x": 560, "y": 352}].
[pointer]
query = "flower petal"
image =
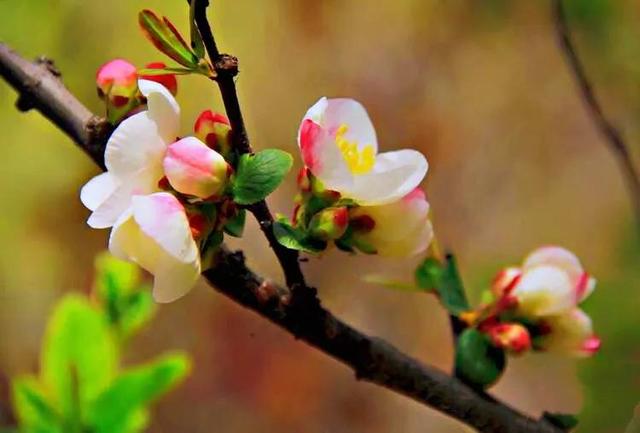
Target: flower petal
[
  {"x": 162, "y": 108},
  {"x": 394, "y": 175},
  {"x": 401, "y": 228},
  {"x": 162, "y": 217},
  {"x": 544, "y": 290},
  {"x": 571, "y": 333},
  {"x": 348, "y": 112},
  {"x": 155, "y": 233},
  {"x": 194, "y": 168},
  {"x": 134, "y": 144},
  {"x": 143, "y": 182},
  {"x": 321, "y": 155},
  {"x": 555, "y": 256},
  {"x": 97, "y": 190}
]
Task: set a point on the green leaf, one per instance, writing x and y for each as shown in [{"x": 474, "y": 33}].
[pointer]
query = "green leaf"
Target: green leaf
[
  {"x": 133, "y": 390},
  {"x": 428, "y": 274},
  {"x": 79, "y": 355},
  {"x": 33, "y": 410},
  {"x": 451, "y": 289},
  {"x": 163, "y": 34},
  {"x": 295, "y": 239},
  {"x": 235, "y": 225},
  {"x": 196, "y": 39},
  {"x": 563, "y": 420},
  {"x": 136, "y": 310},
  {"x": 152, "y": 72},
  {"x": 478, "y": 362},
  {"x": 260, "y": 174},
  {"x": 115, "y": 276}
]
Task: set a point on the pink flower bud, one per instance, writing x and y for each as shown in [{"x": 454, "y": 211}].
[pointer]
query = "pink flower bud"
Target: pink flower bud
[
  {"x": 510, "y": 336},
  {"x": 505, "y": 281},
  {"x": 330, "y": 223},
  {"x": 167, "y": 80},
  {"x": 214, "y": 129},
  {"x": 193, "y": 168},
  {"x": 117, "y": 77}
]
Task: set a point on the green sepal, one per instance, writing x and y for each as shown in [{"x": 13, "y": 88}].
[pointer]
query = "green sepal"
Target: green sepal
[
  {"x": 235, "y": 225},
  {"x": 477, "y": 361},
  {"x": 451, "y": 289},
  {"x": 296, "y": 239},
  {"x": 428, "y": 274},
  {"x": 258, "y": 175}
]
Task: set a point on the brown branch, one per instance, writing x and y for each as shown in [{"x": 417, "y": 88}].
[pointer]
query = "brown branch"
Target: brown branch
[
  {"x": 611, "y": 134},
  {"x": 226, "y": 67},
  {"x": 372, "y": 359}
]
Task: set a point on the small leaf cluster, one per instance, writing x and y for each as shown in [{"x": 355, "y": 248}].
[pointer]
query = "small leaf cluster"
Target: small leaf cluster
[
  {"x": 82, "y": 386},
  {"x": 321, "y": 217},
  {"x": 164, "y": 35}
]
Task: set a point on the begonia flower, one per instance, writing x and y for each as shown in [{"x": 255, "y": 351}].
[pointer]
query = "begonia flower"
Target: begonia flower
[
  {"x": 135, "y": 159},
  {"x": 339, "y": 146}
]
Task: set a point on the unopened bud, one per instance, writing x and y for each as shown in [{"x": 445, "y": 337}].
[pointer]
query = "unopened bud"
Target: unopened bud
[
  {"x": 214, "y": 129},
  {"x": 167, "y": 80},
  {"x": 510, "y": 336},
  {"x": 117, "y": 77},
  {"x": 195, "y": 169},
  {"x": 330, "y": 223},
  {"x": 505, "y": 281}
]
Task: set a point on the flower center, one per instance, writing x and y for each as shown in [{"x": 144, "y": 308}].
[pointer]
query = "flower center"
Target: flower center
[{"x": 358, "y": 161}]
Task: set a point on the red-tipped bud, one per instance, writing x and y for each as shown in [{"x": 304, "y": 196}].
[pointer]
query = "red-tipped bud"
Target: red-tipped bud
[
  {"x": 117, "y": 77},
  {"x": 330, "y": 223},
  {"x": 167, "y": 80},
  {"x": 214, "y": 129},
  {"x": 505, "y": 281},
  {"x": 510, "y": 336},
  {"x": 197, "y": 224},
  {"x": 304, "y": 182}
]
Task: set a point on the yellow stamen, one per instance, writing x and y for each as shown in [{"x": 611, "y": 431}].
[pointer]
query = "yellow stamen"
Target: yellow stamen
[{"x": 358, "y": 161}]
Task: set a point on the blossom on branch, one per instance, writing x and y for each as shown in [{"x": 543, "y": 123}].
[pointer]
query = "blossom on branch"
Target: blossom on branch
[
  {"x": 339, "y": 146},
  {"x": 544, "y": 294}
]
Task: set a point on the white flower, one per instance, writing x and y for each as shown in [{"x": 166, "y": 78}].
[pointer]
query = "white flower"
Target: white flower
[
  {"x": 399, "y": 229},
  {"x": 135, "y": 159},
  {"x": 550, "y": 281},
  {"x": 339, "y": 145},
  {"x": 154, "y": 233}
]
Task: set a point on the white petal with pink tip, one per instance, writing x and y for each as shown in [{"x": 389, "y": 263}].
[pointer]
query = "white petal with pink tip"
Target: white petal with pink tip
[{"x": 155, "y": 233}]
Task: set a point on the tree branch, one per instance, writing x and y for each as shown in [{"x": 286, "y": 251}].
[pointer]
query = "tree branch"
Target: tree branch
[
  {"x": 372, "y": 359},
  {"x": 611, "y": 134},
  {"x": 226, "y": 67}
]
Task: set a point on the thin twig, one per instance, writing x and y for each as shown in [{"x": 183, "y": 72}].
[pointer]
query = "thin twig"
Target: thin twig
[
  {"x": 372, "y": 359},
  {"x": 612, "y": 135},
  {"x": 226, "y": 67}
]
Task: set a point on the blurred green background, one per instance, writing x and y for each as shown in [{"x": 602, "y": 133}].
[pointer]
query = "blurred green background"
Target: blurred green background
[{"x": 479, "y": 86}]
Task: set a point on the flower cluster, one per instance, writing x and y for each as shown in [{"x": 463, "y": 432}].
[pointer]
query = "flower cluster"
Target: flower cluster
[
  {"x": 352, "y": 195},
  {"x": 165, "y": 197},
  {"x": 536, "y": 306}
]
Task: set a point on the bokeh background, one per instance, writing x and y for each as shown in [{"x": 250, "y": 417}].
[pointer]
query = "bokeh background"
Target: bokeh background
[{"x": 479, "y": 86}]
